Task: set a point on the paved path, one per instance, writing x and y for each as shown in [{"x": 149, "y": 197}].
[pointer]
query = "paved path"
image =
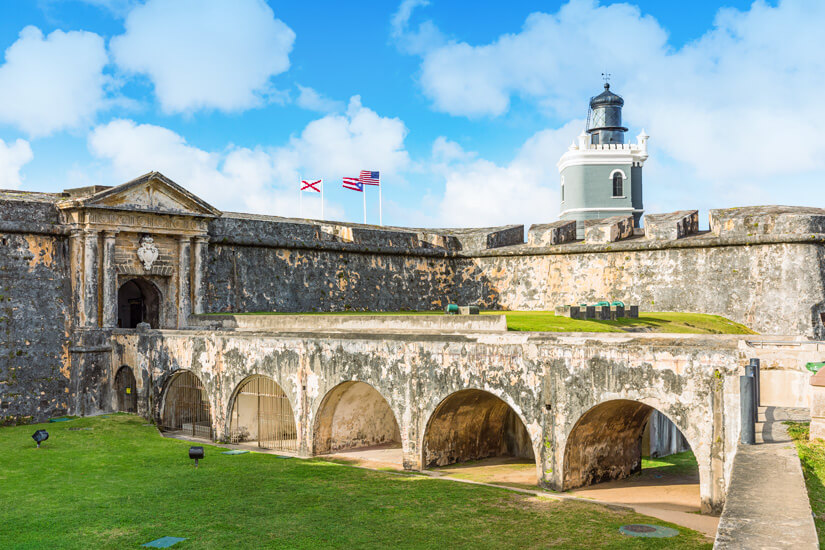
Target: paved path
[{"x": 767, "y": 504}]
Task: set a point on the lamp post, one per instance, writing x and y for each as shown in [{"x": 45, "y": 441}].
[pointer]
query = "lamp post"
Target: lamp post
[
  {"x": 196, "y": 453},
  {"x": 40, "y": 436}
]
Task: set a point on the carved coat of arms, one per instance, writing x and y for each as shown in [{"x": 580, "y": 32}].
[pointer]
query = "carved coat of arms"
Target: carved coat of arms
[{"x": 147, "y": 252}]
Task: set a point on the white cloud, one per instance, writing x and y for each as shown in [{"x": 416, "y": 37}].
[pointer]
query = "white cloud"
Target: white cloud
[
  {"x": 425, "y": 37},
  {"x": 12, "y": 159},
  {"x": 205, "y": 54},
  {"x": 52, "y": 83},
  {"x": 738, "y": 109},
  {"x": 261, "y": 180},
  {"x": 118, "y": 8},
  {"x": 479, "y": 192},
  {"x": 314, "y": 101}
]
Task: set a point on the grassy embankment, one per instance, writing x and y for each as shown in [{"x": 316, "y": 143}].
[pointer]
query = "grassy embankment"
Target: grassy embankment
[
  {"x": 547, "y": 321},
  {"x": 812, "y": 457},
  {"x": 116, "y": 483}
]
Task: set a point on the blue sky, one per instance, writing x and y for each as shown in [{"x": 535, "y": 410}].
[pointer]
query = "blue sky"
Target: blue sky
[{"x": 464, "y": 107}]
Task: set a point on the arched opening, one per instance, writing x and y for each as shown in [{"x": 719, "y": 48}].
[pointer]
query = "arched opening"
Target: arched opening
[
  {"x": 353, "y": 415},
  {"x": 604, "y": 455},
  {"x": 472, "y": 425},
  {"x": 262, "y": 415},
  {"x": 186, "y": 407},
  {"x": 138, "y": 301},
  {"x": 125, "y": 390}
]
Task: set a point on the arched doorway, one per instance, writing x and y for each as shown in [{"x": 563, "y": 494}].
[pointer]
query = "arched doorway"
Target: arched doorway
[
  {"x": 138, "y": 301},
  {"x": 472, "y": 425},
  {"x": 261, "y": 414},
  {"x": 354, "y": 415},
  {"x": 125, "y": 390},
  {"x": 186, "y": 407}
]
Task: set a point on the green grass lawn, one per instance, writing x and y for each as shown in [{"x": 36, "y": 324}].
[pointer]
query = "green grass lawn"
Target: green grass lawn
[
  {"x": 812, "y": 457},
  {"x": 548, "y": 321},
  {"x": 677, "y": 464},
  {"x": 120, "y": 485}
]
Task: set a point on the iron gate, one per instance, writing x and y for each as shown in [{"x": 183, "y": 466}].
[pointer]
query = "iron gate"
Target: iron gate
[
  {"x": 261, "y": 413},
  {"x": 186, "y": 408},
  {"x": 125, "y": 390}
]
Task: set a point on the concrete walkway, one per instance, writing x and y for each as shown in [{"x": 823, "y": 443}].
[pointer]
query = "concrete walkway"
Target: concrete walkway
[{"x": 767, "y": 504}]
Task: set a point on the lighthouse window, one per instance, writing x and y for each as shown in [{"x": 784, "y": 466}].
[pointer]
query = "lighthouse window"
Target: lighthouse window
[{"x": 617, "y": 185}]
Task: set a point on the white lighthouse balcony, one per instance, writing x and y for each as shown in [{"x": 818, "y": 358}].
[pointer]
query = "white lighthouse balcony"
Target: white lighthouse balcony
[{"x": 583, "y": 152}]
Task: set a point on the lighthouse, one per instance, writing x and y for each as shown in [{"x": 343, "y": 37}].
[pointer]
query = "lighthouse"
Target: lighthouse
[{"x": 601, "y": 175}]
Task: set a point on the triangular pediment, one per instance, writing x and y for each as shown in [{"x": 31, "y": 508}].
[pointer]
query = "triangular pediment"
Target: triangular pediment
[{"x": 152, "y": 192}]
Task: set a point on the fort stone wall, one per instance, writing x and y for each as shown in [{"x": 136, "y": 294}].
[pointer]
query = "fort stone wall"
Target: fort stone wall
[{"x": 35, "y": 312}]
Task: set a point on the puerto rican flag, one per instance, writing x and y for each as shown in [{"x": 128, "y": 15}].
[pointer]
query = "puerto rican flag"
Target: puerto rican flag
[
  {"x": 353, "y": 184},
  {"x": 369, "y": 177}
]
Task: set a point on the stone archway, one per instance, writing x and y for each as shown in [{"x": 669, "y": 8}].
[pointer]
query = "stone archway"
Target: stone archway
[
  {"x": 606, "y": 443},
  {"x": 261, "y": 414},
  {"x": 354, "y": 415},
  {"x": 185, "y": 406},
  {"x": 126, "y": 390},
  {"x": 471, "y": 425},
  {"x": 138, "y": 301}
]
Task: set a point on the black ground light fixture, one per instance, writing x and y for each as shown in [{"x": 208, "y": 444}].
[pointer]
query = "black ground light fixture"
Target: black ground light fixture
[
  {"x": 40, "y": 436},
  {"x": 196, "y": 453}
]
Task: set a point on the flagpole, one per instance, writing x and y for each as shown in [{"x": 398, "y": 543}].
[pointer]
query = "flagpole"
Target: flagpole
[
  {"x": 322, "y": 198},
  {"x": 300, "y": 199},
  {"x": 364, "y": 192},
  {"x": 380, "y": 216}
]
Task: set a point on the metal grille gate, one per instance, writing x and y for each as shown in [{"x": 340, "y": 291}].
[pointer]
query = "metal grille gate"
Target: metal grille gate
[
  {"x": 262, "y": 413},
  {"x": 186, "y": 408},
  {"x": 125, "y": 390}
]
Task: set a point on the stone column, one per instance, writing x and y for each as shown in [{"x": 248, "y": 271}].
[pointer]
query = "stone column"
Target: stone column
[
  {"x": 109, "y": 280},
  {"x": 90, "y": 278},
  {"x": 184, "y": 289},
  {"x": 76, "y": 244},
  {"x": 197, "y": 273}
]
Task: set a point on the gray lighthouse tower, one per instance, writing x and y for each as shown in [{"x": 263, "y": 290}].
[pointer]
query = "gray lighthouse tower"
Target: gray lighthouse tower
[{"x": 601, "y": 175}]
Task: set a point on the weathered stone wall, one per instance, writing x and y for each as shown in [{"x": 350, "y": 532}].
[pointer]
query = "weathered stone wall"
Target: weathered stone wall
[
  {"x": 35, "y": 313},
  {"x": 774, "y": 288},
  {"x": 261, "y": 265}
]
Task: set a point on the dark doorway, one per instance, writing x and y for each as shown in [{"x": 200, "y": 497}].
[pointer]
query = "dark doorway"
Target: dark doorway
[
  {"x": 125, "y": 390},
  {"x": 138, "y": 301}
]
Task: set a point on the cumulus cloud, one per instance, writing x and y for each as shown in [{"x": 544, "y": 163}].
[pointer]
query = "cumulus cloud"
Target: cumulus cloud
[
  {"x": 12, "y": 159},
  {"x": 205, "y": 54},
  {"x": 480, "y": 192},
  {"x": 260, "y": 180},
  {"x": 735, "y": 109},
  {"x": 54, "y": 82},
  {"x": 312, "y": 100}
]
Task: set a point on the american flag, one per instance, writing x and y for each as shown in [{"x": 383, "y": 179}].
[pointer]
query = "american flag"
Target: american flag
[
  {"x": 353, "y": 184},
  {"x": 369, "y": 178}
]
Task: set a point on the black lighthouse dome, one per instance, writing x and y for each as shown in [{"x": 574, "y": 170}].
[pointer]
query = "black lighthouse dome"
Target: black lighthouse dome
[{"x": 604, "y": 119}]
